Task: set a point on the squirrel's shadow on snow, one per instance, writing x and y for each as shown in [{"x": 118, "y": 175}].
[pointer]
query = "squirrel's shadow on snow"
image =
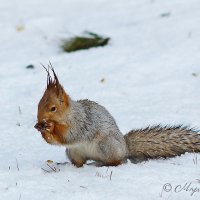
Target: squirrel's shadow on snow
[
  {"x": 54, "y": 167},
  {"x": 51, "y": 167}
]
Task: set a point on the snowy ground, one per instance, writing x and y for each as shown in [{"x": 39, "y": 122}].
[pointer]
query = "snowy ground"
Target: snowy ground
[{"x": 152, "y": 75}]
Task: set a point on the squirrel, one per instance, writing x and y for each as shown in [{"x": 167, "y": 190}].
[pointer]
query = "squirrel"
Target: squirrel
[{"x": 89, "y": 132}]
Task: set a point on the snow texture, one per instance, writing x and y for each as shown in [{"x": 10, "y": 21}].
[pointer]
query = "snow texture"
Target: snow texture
[{"x": 151, "y": 72}]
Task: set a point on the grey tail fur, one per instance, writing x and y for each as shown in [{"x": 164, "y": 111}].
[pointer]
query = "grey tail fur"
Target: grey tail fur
[{"x": 161, "y": 142}]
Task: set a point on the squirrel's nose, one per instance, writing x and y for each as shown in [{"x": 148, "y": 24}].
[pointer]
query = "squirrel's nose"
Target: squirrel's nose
[
  {"x": 40, "y": 125},
  {"x": 37, "y": 126}
]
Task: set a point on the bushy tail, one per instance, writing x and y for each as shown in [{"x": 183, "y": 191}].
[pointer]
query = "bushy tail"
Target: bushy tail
[{"x": 161, "y": 142}]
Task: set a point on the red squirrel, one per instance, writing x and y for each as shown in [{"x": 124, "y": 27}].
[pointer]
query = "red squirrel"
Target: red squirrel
[{"x": 89, "y": 132}]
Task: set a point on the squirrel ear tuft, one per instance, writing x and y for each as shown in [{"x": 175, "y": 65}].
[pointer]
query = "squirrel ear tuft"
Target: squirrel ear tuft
[
  {"x": 55, "y": 81},
  {"x": 52, "y": 83}
]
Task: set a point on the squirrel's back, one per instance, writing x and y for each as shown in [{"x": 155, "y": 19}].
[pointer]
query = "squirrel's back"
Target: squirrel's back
[
  {"x": 99, "y": 117},
  {"x": 161, "y": 142}
]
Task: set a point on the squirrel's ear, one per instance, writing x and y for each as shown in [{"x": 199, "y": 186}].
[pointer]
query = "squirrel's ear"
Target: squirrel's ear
[{"x": 65, "y": 98}]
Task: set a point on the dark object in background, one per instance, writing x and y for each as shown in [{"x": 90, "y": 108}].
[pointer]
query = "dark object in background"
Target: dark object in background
[
  {"x": 167, "y": 14},
  {"x": 84, "y": 42},
  {"x": 30, "y": 67}
]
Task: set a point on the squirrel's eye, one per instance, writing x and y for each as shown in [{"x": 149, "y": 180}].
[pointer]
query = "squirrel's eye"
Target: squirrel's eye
[{"x": 53, "y": 109}]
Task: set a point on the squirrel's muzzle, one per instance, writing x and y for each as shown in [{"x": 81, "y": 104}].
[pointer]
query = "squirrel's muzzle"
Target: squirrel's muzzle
[{"x": 40, "y": 126}]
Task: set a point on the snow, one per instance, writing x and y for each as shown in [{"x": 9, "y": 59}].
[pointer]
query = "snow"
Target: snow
[{"x": 148, "y": 68}]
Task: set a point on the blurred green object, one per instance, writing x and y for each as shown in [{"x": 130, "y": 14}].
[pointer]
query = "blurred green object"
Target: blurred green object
[{"x": 84, "y": 42}]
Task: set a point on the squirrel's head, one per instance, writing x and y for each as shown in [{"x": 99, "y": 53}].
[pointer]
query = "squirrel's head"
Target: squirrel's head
[
  {"x": 54, "y": 102},
  {"x": 52, "y": 110}
]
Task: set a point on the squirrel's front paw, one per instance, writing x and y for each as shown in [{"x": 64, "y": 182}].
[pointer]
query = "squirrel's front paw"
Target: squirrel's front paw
[{"x": 49, "y": 126}]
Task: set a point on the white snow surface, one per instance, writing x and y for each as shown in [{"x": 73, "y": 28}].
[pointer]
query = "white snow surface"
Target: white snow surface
[{"x": 151, "y": 69}]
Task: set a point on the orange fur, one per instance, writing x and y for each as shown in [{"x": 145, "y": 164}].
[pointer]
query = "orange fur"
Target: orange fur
[
  {"x": 78, "y": 162},
  {"x": 66, "y": 99},
  {"x": 48, "y": 137},
  {"x": 56, "y": 134},
  {"x": 50, "y": 123},
  {"x": 113, "y": 163},
  {"x": 59, "y": 132}
]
